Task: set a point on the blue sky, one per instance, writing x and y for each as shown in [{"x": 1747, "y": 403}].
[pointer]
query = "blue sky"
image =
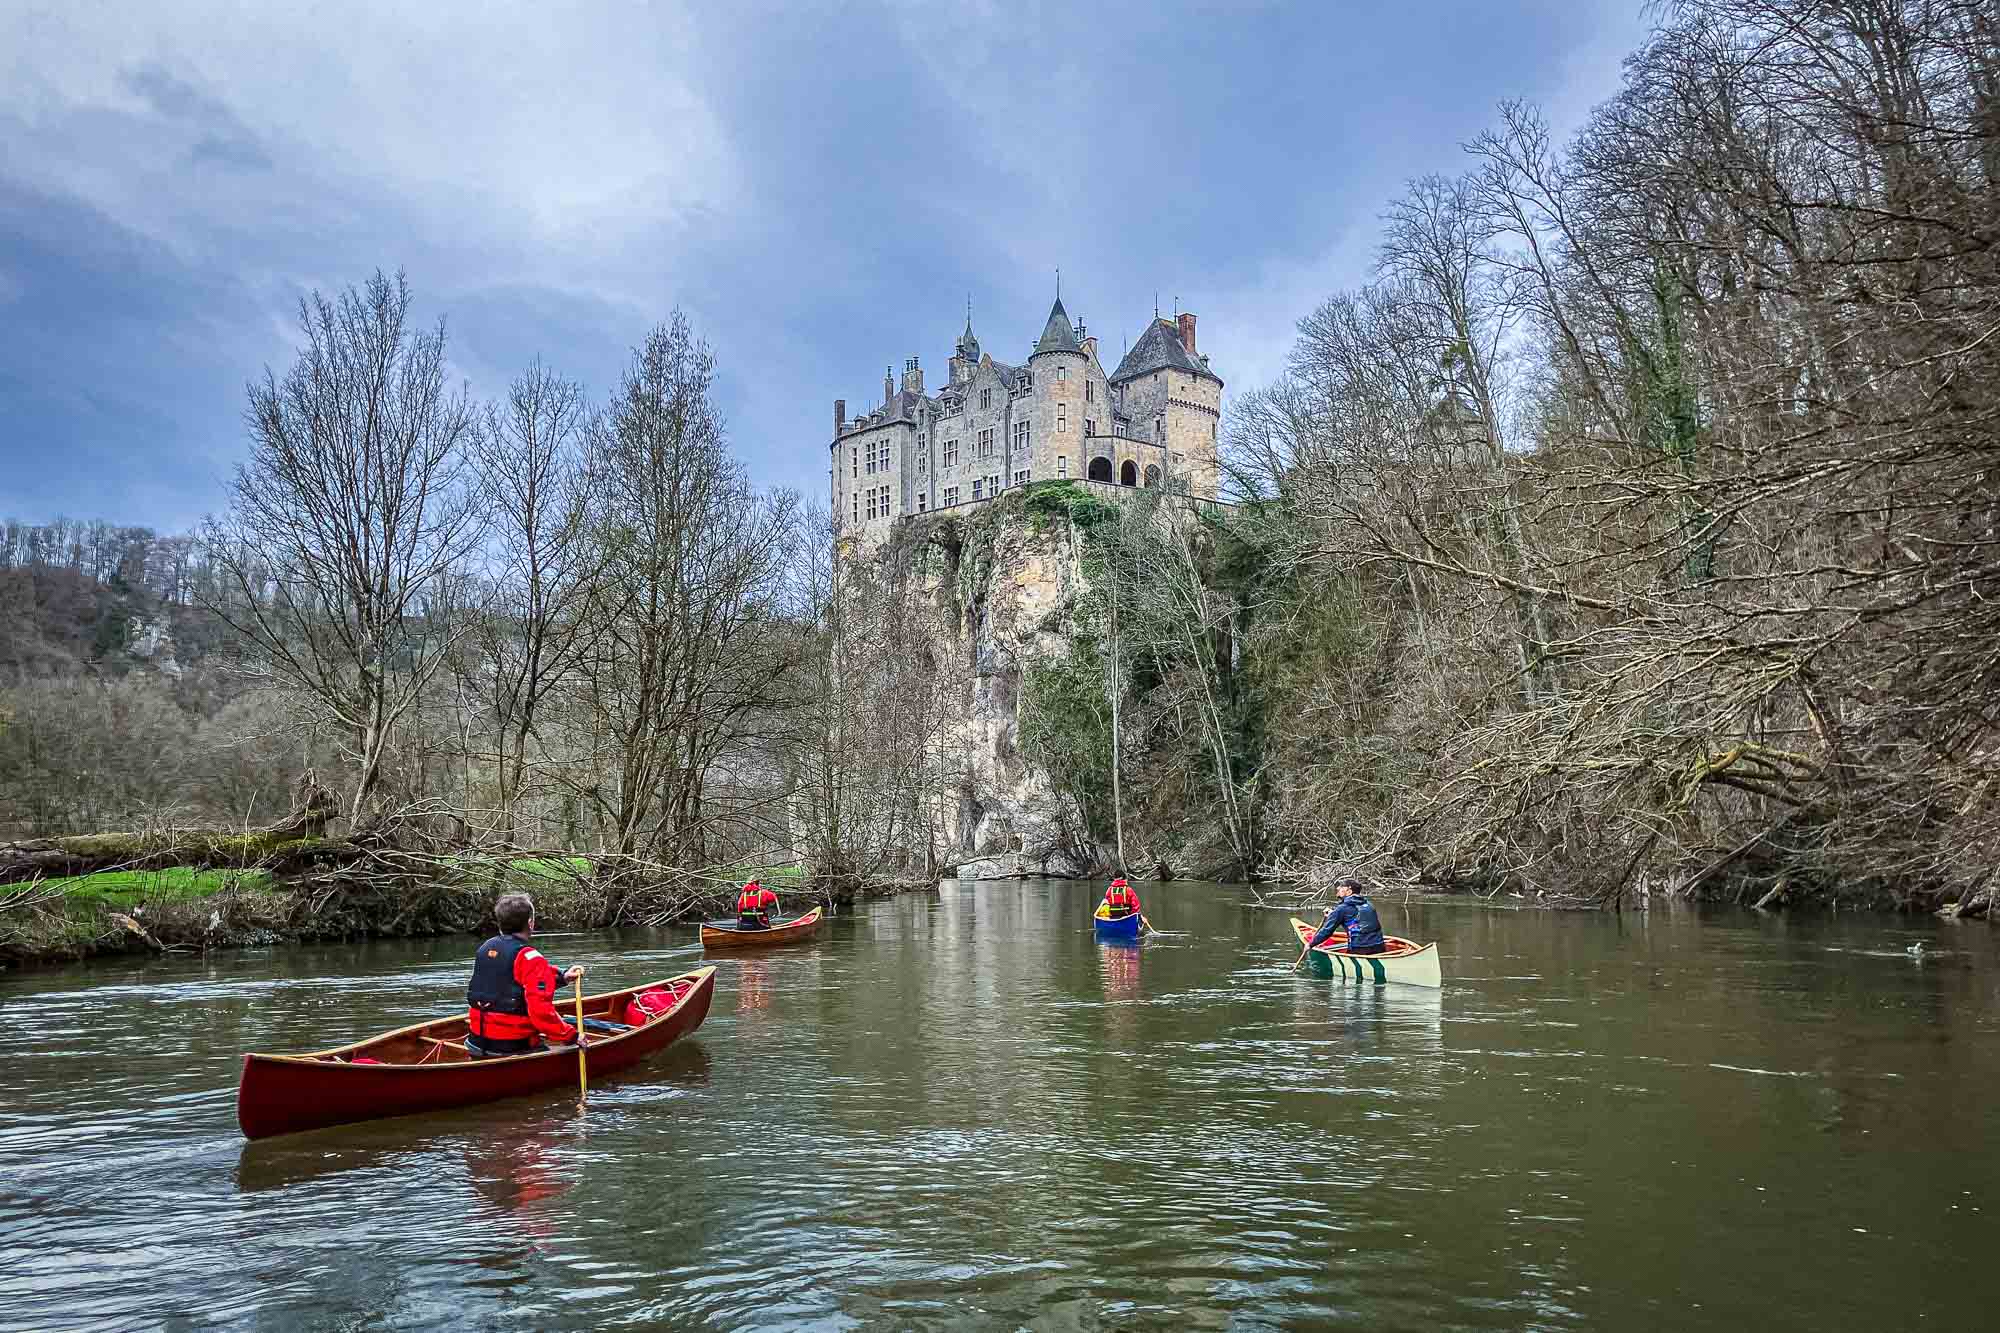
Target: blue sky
[{"x": 820, "y": 187}]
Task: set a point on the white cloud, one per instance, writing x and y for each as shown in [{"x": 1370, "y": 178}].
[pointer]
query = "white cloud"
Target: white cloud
[{"x": 504, "y": 125}]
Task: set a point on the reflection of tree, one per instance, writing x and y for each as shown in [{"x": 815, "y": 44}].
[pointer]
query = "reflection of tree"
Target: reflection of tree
[{"x": 753, "y": 986}]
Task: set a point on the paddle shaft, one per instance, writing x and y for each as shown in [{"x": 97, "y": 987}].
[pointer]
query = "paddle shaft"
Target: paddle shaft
[{"x": 582, "y": 1062}]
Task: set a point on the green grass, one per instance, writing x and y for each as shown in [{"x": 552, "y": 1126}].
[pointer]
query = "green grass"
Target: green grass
[
  {"x": 773, "y": 875},
  {"x": 551, "y": 867},
  {"x": 127, "y": 888}
]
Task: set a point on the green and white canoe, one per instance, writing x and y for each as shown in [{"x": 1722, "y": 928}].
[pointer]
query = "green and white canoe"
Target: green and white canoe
[{"x": 1405, "y": 961}]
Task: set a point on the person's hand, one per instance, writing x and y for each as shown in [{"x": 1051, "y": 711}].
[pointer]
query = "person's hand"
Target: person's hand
[
  {"x": 575, "y": 970},
  {"x": 582, "y": 1039}
]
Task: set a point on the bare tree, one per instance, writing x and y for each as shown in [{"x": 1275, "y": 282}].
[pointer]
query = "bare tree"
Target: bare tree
[
  {"x": 687, "y": 648},
  {"x": 537, "y": 491},
  {"x": 348, "y": 526}
]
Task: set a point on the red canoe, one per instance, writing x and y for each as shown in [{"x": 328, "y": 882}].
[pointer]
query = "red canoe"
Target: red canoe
[
  {"x": 424, "y": 1067},
  {"x": 732, "y": 936}
]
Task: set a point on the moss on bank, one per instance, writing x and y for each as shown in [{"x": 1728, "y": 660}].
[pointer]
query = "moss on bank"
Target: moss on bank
[{"x": 186, "y": 908}]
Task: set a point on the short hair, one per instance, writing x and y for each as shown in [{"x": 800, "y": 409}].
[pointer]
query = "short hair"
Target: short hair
[
  {"x": 1350, "y": 882},
  {"x": 514, "y": 911}
]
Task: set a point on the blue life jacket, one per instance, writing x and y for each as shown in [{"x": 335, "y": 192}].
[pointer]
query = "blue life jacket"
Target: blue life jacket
[{"x": 1364, "y": 928}]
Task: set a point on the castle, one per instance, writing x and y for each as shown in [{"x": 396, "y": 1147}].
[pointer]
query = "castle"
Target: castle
[{"x": 1154, "y": 421}]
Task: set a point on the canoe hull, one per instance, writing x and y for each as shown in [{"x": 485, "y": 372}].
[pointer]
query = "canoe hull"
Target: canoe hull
[
  {"x": 286, "y": 1094},
  {"x": 1411, "y": 964},
  {"x": 1117, "y": 928},
  {"x": 785, "y": 932}
]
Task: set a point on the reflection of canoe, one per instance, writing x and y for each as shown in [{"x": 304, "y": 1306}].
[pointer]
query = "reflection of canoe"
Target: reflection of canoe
[
  {"x": 424, "y": 1067},
  {"x": 737, "y": 937},
  {"x": 1116, "y": 927},
  {"x": 1406, "y": 961}
]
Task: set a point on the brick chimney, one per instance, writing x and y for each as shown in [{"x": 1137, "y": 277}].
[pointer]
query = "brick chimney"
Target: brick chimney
[
  {"x": 1090, "y": 346},
  {"x": 888, "y": 386},
  {"x": 1187, "y": 333},
  {"x": 913, "y": 377},
  {"x": 839, "y": 415}
]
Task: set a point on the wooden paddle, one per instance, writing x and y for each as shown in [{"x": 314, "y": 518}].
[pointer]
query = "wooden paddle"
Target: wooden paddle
[{"x": 582, "y": 1063}]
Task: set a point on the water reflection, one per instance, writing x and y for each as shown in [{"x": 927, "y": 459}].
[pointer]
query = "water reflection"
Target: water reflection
[{"x": 980, "y": 1116}]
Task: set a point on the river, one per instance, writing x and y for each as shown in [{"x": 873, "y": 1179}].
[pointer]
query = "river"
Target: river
[{"x": 961, "y": 1110}]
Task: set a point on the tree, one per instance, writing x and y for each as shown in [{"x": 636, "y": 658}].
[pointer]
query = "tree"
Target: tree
[
  {"x": 687, "y": 648},
  {"x": 342, "y": 549},
  {"x": 537, "y": 491}
]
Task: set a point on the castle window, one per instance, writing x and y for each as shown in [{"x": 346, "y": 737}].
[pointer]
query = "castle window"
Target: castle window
[
  {"x": 1062, "y": 465},
  {"x": 854, "y": 457},
  {"x": 1062, "y": 374},
  {"x": 951, "y": 453},
  {"x": 923, "y": 463},
  {"x": 857, "y": 506},
  {"x": 1062, "y": 420},
  {"x": 977, "y": 484},
  {"x": 985, "y": 399},
  {"x": 1021, "y": 436},
  {"x": 950, "y": 496},
  {"x": 986, "y": 443},
  {"x": 1090, "y": 391},
  {"x": 921, "y": 498},
  {"x": 1089, "y": 426},
  {"x": 1020, "y": 476}
]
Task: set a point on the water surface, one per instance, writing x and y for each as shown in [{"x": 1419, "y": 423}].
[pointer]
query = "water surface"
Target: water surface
[{"x": 961, "y": 1110}]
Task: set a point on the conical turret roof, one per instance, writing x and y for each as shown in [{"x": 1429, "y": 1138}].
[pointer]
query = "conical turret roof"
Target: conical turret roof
[
  {"x": 1057, "y": 334},
  {"x": 968, "y": 346}
]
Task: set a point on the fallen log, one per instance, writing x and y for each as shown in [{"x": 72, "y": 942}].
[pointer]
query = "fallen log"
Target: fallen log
[{"x": 296, "y": 841}]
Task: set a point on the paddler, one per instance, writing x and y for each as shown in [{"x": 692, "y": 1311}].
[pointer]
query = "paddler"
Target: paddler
[
  {"x": 1120, "y": 900},
  {"x": 510, "y": 1005},
  {"x": 1354, "y": 914},
  {"x": 755, "y": 906}
]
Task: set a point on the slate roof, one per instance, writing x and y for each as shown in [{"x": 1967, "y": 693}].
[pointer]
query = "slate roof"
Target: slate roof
[
  {"x": 1057, "y": 334},
  {"x": 1159, "y": 348}
]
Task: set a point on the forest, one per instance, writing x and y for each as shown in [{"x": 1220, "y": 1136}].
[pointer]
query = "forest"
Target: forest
[{"x": 1629, "y": 532}]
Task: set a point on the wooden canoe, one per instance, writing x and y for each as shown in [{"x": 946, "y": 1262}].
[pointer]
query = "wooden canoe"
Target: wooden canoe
[
  {"x": 715, "y": 936},
  {"x": 1406, "y": 961},
  {"x": 1116, "y": 927},
  {"x": 424, "y": 1067}
]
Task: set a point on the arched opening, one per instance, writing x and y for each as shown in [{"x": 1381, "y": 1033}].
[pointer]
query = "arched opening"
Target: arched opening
[
  {"x": 1100, "y": 469},
  {"x": 1128, "y": 475},
  {"x": 1153, "y": 475}
]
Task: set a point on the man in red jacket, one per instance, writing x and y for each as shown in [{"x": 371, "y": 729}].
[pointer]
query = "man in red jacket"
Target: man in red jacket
[
  {"x": 1120, "y": 900},
  {"x": 510, "y": 1005},
  {"x": 755, "y": 907}
]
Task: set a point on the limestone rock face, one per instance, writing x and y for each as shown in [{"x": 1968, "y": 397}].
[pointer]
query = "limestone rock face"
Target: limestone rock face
[
  {"x": 1008, "y": 584},
  {"x": 152, "y": 641}
]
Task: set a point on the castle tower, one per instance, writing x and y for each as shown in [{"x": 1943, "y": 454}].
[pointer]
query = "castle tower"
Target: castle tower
[
  {"x": 1172, "y": 399},
  {"x": 1071, "y": 415}
]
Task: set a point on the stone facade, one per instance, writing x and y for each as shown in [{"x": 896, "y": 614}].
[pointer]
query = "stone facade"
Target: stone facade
[{"x": 1154, "y": 421}]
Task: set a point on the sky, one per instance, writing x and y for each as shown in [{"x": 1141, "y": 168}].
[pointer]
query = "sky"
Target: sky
[{"x": 820, "y": 187}]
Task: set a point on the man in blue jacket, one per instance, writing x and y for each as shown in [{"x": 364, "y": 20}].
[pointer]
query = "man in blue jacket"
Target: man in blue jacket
[{"x": 1354, "y": 914}]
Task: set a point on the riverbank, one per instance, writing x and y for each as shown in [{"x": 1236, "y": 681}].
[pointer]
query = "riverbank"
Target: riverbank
[{"x": 185, "y": 909}]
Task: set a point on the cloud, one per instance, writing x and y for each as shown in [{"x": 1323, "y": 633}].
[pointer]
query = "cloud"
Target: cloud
[{"x": 818, "y": 186}]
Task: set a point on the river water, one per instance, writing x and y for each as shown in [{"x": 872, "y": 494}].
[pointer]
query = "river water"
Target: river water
[{"x": 961, "y": 1110}]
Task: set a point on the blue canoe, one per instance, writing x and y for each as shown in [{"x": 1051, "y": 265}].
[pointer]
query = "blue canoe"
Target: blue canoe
[{"x": 1116, "y": 927}]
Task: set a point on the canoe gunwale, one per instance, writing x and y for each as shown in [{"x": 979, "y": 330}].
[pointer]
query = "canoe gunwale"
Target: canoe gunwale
[
  {"x": 329, "y": 1058},
  {"x": 732, "y": 937},
  {"x": 1420, "y": 964}
]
